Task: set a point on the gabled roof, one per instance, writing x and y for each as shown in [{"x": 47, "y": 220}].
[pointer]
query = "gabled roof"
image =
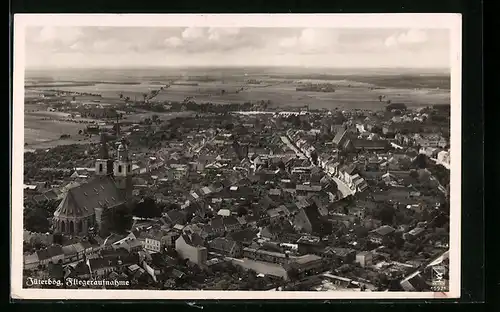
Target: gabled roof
[
  {"x": 279, "y": 211},
  {"x": 369, "y": 144},
  {"x": 174, "y": 216},
  {"x": 81, "y": 200},
  {"x": 223, "y": 244},
  {"x": 193, "y": 239},
  {"x": 384, "y": 230},
  {"x": 339, "y": 136},
  {"x": 350, "y": 169},
  {"x": 245, "y": 235}
]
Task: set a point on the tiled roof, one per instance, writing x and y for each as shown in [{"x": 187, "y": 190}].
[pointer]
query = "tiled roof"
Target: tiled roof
[
  {"x": 223, "y": 244},
  {"x": 279, "y": 211},
  {"x": 339, "y": 136},
  {"x": 55, "y": 251},
  {"x": 80, "y": 201},
  {"x": 245, "y": 235},
  {"x": 43, "y": 254},
  {"x": 384, "y": 230},
  {"x": 369, "y": 144}
]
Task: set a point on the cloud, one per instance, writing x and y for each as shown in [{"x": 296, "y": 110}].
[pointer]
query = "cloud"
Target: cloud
[
  {"x": 173, "y": 42},
  {"x": 411, "y": 37},
  {"x": 65, "y": 35},
  {"x": 311, "y": 41},
  {"x": 216, "y": 34},
  {"x": 192, "y": 33},
  {"x": 196, "y": 39}
]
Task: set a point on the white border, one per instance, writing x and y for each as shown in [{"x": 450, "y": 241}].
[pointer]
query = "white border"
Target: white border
[{"x": 453, "y": 22}]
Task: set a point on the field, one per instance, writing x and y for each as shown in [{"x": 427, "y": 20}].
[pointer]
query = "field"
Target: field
[
  {"x": 348, "y": 94},
  {"x": 43, "y": 129},
  {"x": 356, "y": 89}
]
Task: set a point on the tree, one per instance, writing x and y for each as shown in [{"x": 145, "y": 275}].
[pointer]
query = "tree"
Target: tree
[
  {"x": 147, "y": 208},
  {"x": 293, "y": 274},
  {"x": 57, "y": 239},
  {"x": 386, "y": 214},
  {"x": 123, "y": 221},
  {"x": 414, "y": 174},
  {"x": 242, "y": 210},
  {"x": 314, "y": 158},
  {"x": 361, "y": 232}
]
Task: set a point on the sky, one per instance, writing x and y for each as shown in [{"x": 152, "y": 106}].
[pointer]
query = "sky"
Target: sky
[{"x": 95, "y": 47}]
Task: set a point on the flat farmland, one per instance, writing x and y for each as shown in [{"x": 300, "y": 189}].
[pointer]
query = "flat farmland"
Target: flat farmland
[
  {"x": 351, "y": 95},
  {"x": 40, "y": 133},
  {"x": 108, "y": 90},
  {"x": 43, "y": 129},
  {"x": 231, "y": 86},
  {"x": 139, "y": 116}
]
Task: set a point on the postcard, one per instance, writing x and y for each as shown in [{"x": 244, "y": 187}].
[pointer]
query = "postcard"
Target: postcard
[{"x": 271, "y": 156}]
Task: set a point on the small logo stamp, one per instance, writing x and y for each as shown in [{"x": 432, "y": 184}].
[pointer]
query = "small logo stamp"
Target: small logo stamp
[{"x": 438, "y": 282}]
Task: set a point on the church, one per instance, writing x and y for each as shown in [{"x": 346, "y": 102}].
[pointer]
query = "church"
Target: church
[{"x": 91, "y": 206}]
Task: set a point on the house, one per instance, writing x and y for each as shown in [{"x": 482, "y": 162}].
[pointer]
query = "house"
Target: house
[
  {"x": 31, "y": 261},
  {"x": 278, "y": 214},
  {"x": 221, "y": 224},
  {"x": 265, "y": 255},
  {"x": 245, "y": 236},
  {"x": 190, "y": 247},
  {"x": 74, "y": 252},
  {"x": 357, "y": 145},
  {"x": 364, "y": 258},
  {"x": 342, "y": 255},
  {"x": 414, "y": 282},
  {"x": 269, "y": 232},
  {"x": 81, "y": 270},
  {"x": 308, "y": 244},
  {"x": 309, "y": 220},
  {"x": 358, "y": 212},
  {"x": 414, "y": 233},
  {"x": 178, "y": 228},
  {"x": 372, "y": 164},
  {"x": 340, "y": 137},
  {"x": 133, "y": 245},
  {"x": 52, "y": 254},
  {"x": 169, "y": 238},
  {"x": 174, "y": 216},
  {"x": 226, "y": 247},
  {"x": 370, "y": 223},
  {"x": 305, "y": 265},
  {"x": 101, "y": 267},
  {"x": 347, "y": 173},
  {"x": 377, "y": 235},
  {"x": 359, "y": 184},
  {"x": 153, "y": 241},
  {"x": 433, "y": 140},
  {"x": 304, "y": 189}
]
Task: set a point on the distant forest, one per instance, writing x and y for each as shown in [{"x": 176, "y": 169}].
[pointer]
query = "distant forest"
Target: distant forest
[{"x": 386, "y": 81}]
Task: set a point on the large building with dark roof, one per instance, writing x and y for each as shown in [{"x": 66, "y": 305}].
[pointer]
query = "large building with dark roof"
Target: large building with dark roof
[{"x": 90, "y": 204}]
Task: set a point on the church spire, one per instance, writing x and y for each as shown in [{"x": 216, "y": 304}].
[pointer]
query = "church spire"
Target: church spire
[
  {"x": 103, "y": 152},
  {"x": 104, "y": 165},
  {"x": 117, "y": 126}
]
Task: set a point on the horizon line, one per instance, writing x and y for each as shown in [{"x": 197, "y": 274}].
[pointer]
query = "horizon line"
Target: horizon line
[{"x": 446, "y": 69}]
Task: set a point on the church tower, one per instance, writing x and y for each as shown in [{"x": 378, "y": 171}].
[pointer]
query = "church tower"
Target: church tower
[
  {"x": 103, "y": 164},
  {"x": 122, "y": 169}
]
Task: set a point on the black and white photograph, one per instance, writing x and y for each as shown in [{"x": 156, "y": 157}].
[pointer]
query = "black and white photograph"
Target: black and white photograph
[{"x": 236, "y": 156}]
